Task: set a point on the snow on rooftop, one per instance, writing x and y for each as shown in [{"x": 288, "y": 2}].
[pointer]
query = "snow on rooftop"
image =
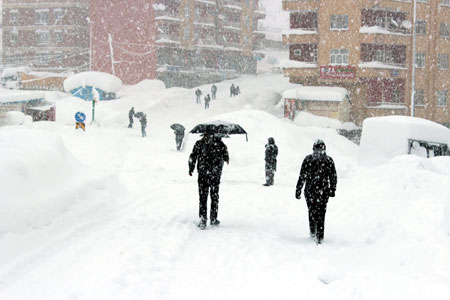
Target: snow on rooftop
[
  {"x": 379, "y": 65},
  {"x": 104, "y": 81},
  {"x": 298, "y": 31},
  {"x": 316, "y": 93},
  {"x": 8, "y": 96},
  {"x": 383, "y": 138},
  {"x": 287, "y": 63},
  {"x": 13, "y": 71},
  {"x": 379, "y": 30}
]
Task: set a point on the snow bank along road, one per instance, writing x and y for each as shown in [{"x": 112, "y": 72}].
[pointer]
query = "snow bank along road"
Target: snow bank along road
[{"x": 106, "y": 214}]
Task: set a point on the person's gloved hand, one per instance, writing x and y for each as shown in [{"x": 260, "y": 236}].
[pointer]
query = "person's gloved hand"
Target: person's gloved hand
[
  {"x": 190, "y": 173},
  {"x": 332, "y": 193},
  {"x": 298, "y": 195}
]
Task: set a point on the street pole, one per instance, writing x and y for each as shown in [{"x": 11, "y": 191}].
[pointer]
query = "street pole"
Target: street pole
[
  {"x": 413, "y": 79},
  {"x": 111, "y": 53},
  {"x": 93, "y": 109}
]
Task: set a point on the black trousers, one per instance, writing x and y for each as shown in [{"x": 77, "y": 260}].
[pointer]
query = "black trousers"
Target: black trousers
[
  {"x": 316, "y": 212},
  {"x": 204, "y": 189},
  {"x": 131, "y": 123},
  {"x": 270, "y": 173}
]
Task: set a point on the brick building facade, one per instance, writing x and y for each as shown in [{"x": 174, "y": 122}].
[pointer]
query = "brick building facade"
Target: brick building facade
[
  {"x": 46, "y": 35},
  {"x": 373, "y": 41}
]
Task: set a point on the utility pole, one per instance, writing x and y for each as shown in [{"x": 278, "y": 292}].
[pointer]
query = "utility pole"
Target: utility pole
[
  {"x": 413, "y": 79},
  {"x": 111, "y": 53}
]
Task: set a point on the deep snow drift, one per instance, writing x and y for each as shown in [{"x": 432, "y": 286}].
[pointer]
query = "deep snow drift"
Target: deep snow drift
[{"x": 107, "y": 214}]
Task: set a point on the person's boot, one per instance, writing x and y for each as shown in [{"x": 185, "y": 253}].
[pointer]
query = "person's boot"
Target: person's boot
[
  {"x": 214, "y": 222},
  {"x": 202, "y": 223}
]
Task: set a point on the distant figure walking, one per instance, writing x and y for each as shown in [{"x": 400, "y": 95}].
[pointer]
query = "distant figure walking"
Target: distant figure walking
[
  {"x": 143, "y": 121},
  {"x": 130, "y": 116},
  {"x": 207, "y": 100},
  {"x": 209, "y": 154},
  {"x": 271, "y": 161},
  {"x": 179, "y": 136},
  {"x": 232, "y": 90},
  {"x": 319, "y": 174},
  {"x": 198, "y": 93},
  {"x": 237, "y": 91},
  {"x": 213, "y": 91}
]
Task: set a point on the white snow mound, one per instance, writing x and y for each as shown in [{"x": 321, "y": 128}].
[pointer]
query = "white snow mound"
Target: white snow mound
[{"x": 104, "y": 81}]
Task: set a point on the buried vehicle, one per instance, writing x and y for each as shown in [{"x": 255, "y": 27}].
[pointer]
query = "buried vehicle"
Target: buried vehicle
[{"x": 386, "y": 137}]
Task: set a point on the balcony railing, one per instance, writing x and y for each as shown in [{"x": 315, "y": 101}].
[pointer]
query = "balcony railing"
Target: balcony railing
[{"x": 166, "y": 15}]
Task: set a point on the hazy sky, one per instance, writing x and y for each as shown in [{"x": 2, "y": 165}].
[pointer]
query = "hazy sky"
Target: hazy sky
[{"x": 276, "y": 19}]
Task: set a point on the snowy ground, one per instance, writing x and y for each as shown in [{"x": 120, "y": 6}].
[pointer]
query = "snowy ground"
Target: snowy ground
[{"x": 107, "y": 214}]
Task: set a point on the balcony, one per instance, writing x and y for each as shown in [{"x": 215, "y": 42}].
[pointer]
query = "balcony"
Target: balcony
[
  {"x": 164, "y": 38},
  {"x": 164, "y": 15},
  {"x": 206, "y": 2},
  {"x": 235, "y": 26},
  {"x": 231, "y": 5}
]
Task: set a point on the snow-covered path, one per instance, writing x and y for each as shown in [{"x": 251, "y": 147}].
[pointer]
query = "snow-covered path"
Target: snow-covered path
[{"x": 126, "y": 229}]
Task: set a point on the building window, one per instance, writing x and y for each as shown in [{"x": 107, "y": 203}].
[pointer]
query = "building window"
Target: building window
[
  {"x": 379, "y": 55},
  {"x": 42, "y": 37},
  {"x": 187, "y": 11},
  {"x": 339, "y": 22},
  {"x": 13, "y": 16},
  {"x": 58, "y": 36},
  {"x": 42, "y": 16},
  {"x": 298, "y": 52},
  {"x": 339, "y": 57},
  {"x": 445, "y": 2},
  {"x": 421, "y": 27},
  {"x": 419, "y": 98},
  {"x": 443, "y": 61},
  {"x": 187, "y": 33},
  {"x": 444, "y": 30},
  {"x": 441, "y": 98},
  {"x": 420, "y": 60},
  {"x": 58, "y": 14},
  {"x": 14, "y": 37}
]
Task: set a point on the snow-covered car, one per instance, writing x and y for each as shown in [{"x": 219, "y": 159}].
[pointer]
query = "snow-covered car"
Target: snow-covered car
[{"x": 386, "y": 137}]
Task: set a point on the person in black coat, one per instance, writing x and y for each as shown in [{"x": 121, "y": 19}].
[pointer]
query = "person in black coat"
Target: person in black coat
[
  {"x": 271, "y": 160},
  {"x": 209, "y": 153},
  {"x": 143, "y": 121},
  {"x": 130, "y": 116},
  {"x": 318, "y": 174},
  {"x": 213, "y": 91},
  {"x": 179, "y": 136},
  {"x": 198, "y": 94}
]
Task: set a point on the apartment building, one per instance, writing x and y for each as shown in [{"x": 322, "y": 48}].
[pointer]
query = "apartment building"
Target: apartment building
[
  {"x": 47, "y": 35},
  {"x": 366, "y": 47},
  {"x": 123, "y": 39},
  {"x": 202, "y": 41}
]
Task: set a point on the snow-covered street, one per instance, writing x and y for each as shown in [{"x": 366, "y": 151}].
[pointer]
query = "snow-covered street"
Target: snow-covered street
[{"x": 107, "y": 214}]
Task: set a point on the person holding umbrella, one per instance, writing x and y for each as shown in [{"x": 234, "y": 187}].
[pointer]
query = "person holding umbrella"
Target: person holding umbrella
[
  {"x": 179, "y": 134},
  {"x": 209, "y": 153}
]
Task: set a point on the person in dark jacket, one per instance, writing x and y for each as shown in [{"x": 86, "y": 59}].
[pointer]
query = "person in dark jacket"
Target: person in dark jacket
[
  {"x": 143, "y": 121},
  {"x": 207, "y": 100},
  {"x": 179, "y": 136},
  {"x": 209, "y": 153},
  {"x": 198, "y": 94},
  {"x": 232, "y": 90},
  {"x": 271, "y": 160},
  {"x": 213, "y": 91},
  {"x": 130, "y": 116},
  {"x": 318, "y": 174}
]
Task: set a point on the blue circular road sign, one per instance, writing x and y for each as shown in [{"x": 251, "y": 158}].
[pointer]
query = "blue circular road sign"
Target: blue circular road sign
[{"x": 80, "y": 117}]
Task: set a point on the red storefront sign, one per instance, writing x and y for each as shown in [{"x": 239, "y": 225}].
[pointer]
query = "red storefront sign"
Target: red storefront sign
[{"x": 337, "y": 72}]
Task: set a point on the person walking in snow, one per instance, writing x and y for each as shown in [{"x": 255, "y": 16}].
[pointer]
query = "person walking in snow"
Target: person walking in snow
[
  {"x": 213, "y": 91},
  {"x": 318, "y": 174},
  {"x": 179, "y": 136},
  {"x": 130, "y": 116},
  {"x": 232, "y": 90},
  {"x": 271, "y": 161},
  {"x": 143, "y": 121},
  {"x": 237, "y": 91},
  {"x": 198, "y": 93},
  {"x": 209, "y": 153},
  {"x": 207, "y": 100}
]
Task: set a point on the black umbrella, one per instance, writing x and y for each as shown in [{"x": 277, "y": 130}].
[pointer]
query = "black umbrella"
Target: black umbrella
[
  {"x": 220, "y": 128},
  {"x": 177, "y": 127},
  {"x": 139, "y": 114}
]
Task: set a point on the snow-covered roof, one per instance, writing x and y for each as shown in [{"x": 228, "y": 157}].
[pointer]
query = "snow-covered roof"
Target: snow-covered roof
[
  {"x": 386, "y": 137},
  {"x": 9, "y": 96},
  {"x": 316, "y": 93},
  {"x": 287, "y": 63},
  {"x": 104, "y": 81},
  {"x": 379, "y": 65},
  {"x": 379, "y": 30},
  {"x": 298, "y": 32},
  {"x": 13, "y": 71}
]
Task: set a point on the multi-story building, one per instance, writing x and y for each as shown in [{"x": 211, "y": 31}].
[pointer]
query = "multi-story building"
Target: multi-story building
[
  {"x": 123, "y": 38},
  {"x": 46, "y": 35},
  {"x": 366, "y": 47},
  {"x": 201, "y": 41}
]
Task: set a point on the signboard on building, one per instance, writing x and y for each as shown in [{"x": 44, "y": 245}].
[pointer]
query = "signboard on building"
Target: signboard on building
[{"x": 337, "y": 72}]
